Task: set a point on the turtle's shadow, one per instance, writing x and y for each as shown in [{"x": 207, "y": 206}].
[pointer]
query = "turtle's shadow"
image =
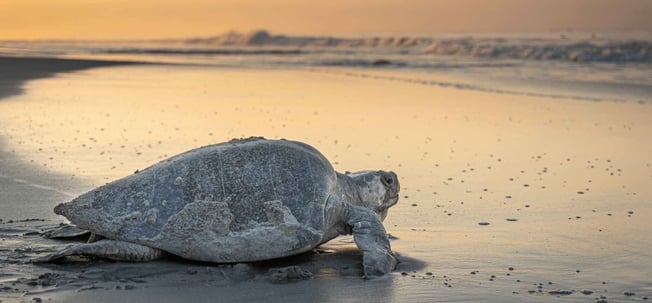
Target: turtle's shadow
[
  {"x": 338, "y": 258},
  {"x": 335, "y": 260}
]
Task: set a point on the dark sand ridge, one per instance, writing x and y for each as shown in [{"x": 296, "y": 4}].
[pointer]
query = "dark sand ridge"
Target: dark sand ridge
[{"x": 14, "y": 72}]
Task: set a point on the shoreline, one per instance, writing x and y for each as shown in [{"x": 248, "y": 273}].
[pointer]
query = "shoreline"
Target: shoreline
[{"x": 15, "y": 71}]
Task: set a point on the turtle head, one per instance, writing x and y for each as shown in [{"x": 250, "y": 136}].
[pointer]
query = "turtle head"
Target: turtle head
[{"x": 376, "y": 190}]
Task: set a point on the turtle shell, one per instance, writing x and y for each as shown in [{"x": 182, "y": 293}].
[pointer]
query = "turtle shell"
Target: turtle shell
[{"x": 242, "y": 200}]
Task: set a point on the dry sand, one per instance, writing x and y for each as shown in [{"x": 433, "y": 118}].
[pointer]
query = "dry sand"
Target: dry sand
[{"x": 505, "y": 198}]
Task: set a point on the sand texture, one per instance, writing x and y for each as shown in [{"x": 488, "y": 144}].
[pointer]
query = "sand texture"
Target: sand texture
[{"x": 504, "y": 197}]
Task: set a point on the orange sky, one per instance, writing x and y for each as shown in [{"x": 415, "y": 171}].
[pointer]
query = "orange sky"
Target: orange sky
[{"x": 35, "y": 19}]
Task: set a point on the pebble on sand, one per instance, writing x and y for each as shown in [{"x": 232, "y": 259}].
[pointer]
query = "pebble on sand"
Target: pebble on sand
[
  {"x": 561, "y": 292},
  {"x": 483, "y": 223}
]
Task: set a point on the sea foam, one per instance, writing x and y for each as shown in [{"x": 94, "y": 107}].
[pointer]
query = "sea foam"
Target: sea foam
[{"x": 586, "y": 48}]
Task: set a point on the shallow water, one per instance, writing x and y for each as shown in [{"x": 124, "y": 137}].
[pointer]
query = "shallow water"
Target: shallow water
[
  {"x": 598, "y": 66},
  {"x": 574, "y": 175}
]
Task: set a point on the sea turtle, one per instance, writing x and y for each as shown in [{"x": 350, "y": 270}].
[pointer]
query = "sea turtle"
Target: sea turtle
[{"x": 238, "y": 201}]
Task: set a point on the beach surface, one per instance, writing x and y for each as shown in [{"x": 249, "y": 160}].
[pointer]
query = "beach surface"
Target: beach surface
[{"x": 505, "y": 197}]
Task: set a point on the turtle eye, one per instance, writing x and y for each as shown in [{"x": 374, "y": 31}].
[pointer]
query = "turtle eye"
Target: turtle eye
[{"x": 387, "y": 180}]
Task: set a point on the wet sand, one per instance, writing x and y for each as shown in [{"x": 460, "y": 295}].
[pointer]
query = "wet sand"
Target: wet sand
[
  {"x": 17, "y": 70},
  {"x": 505, "y": 198}
]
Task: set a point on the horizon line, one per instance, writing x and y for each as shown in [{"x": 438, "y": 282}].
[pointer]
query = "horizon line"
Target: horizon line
[{"x": 564, "y": 30}]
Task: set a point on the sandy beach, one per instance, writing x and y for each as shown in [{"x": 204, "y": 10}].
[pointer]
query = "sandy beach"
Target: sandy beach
[{"x": 505, "y": 197}]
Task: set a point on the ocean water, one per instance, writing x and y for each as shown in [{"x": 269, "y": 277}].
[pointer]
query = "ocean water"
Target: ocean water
[{"x": 614, "y": 66}]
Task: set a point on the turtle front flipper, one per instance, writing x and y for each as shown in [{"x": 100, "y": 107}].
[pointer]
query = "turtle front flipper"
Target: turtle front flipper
[
  {"x": 108, "y": 249},
  {"x": 370, "y": 236}
]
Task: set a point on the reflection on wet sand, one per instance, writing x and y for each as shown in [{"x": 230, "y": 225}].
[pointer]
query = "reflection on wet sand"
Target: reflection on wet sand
[{"x": 561, "y": 187}]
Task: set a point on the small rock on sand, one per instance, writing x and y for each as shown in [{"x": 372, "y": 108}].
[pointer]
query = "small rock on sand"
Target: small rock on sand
[{"x": 483, "y": 223}]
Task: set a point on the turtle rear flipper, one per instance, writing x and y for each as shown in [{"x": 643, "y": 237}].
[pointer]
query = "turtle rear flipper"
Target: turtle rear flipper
[
  {"x": 66, "y": 231},
  {"x": 108, "y": 249}
]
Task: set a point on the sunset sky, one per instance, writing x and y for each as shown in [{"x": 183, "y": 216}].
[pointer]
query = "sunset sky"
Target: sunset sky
[{"x": 116, "y": 19}]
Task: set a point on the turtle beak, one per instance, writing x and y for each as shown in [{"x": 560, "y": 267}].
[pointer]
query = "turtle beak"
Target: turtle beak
[
  {"x": 382, "y": 210},
  {"x": 391, "y": 201}
]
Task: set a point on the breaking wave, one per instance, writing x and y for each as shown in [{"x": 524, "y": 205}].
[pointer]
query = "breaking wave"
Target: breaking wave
[
  {"x": 489, "y": 62},
  {"x": 187, "y": 51},
  {"x": 579, "y": 49}
]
